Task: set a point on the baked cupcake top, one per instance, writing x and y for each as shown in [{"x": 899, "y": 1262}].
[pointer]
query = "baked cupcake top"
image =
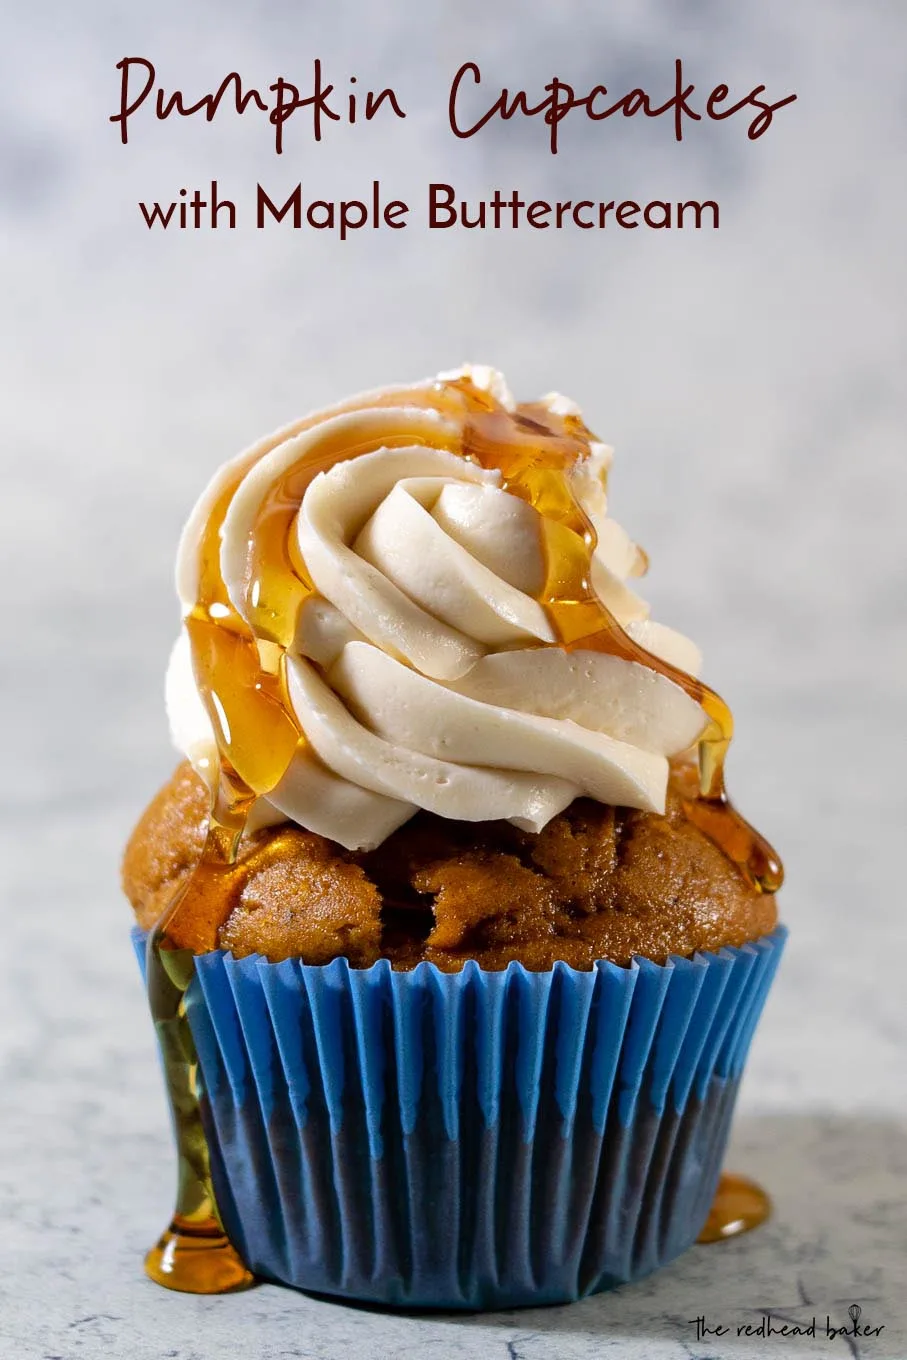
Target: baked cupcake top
[{"x": 415, "y": 608}]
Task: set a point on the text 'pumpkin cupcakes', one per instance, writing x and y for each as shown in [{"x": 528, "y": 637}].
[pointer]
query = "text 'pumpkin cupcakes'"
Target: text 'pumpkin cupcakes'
[{"x": 453, "y": 941}]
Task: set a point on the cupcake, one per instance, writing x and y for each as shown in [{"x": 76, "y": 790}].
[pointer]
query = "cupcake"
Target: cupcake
[{"x": 453, "y": 941}]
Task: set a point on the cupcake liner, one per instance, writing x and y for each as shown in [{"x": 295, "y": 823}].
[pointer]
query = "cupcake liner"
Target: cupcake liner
[{"x": 476, "y": 1139}]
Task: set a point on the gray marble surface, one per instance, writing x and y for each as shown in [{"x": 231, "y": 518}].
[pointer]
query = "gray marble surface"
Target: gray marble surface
[{"x": 753, "y": 382}]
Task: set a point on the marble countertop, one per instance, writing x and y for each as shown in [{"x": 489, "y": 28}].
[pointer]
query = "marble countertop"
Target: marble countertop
[{"x": 752, "y": 381}]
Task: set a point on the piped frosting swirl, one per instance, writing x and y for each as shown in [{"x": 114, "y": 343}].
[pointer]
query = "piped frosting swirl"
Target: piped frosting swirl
[{"x": 387, "y": 595}]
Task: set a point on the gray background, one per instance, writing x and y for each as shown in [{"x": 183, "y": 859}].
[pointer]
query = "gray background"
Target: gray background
[{"x": 753, "y": 382}]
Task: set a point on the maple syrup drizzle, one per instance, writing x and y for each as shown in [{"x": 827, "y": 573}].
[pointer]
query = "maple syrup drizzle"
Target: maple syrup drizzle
[{"x": 240, "y": 673}]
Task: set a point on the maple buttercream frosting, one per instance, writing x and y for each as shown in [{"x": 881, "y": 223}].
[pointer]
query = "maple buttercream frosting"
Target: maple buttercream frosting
[{"x": 421, "y": 666}]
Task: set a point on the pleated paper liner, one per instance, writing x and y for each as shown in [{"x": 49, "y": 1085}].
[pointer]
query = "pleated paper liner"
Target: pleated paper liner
[{"x": 470, "y": 1140}]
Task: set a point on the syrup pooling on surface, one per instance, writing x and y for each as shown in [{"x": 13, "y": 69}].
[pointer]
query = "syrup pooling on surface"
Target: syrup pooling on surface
[
  {"x": 739, "y": 1206},
  {"x": 240, "y": 673}
]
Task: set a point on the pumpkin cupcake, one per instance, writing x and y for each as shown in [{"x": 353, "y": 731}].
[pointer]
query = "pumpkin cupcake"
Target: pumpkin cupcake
[{"x": 453, "y": 940}]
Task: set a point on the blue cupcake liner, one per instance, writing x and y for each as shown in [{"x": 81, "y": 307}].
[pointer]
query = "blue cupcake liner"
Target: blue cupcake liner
[{"x": 470, "y": 1140}]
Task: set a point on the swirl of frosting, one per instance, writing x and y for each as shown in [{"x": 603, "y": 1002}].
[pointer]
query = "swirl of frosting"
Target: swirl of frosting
[{"x": 420, "y": 664}]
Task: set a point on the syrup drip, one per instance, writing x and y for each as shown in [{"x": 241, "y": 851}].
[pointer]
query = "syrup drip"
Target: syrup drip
[
  {"x": 240, "y": 673},
  {"x": 194, "y": 1254},
  {"x": 739, "y": 1206}
]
